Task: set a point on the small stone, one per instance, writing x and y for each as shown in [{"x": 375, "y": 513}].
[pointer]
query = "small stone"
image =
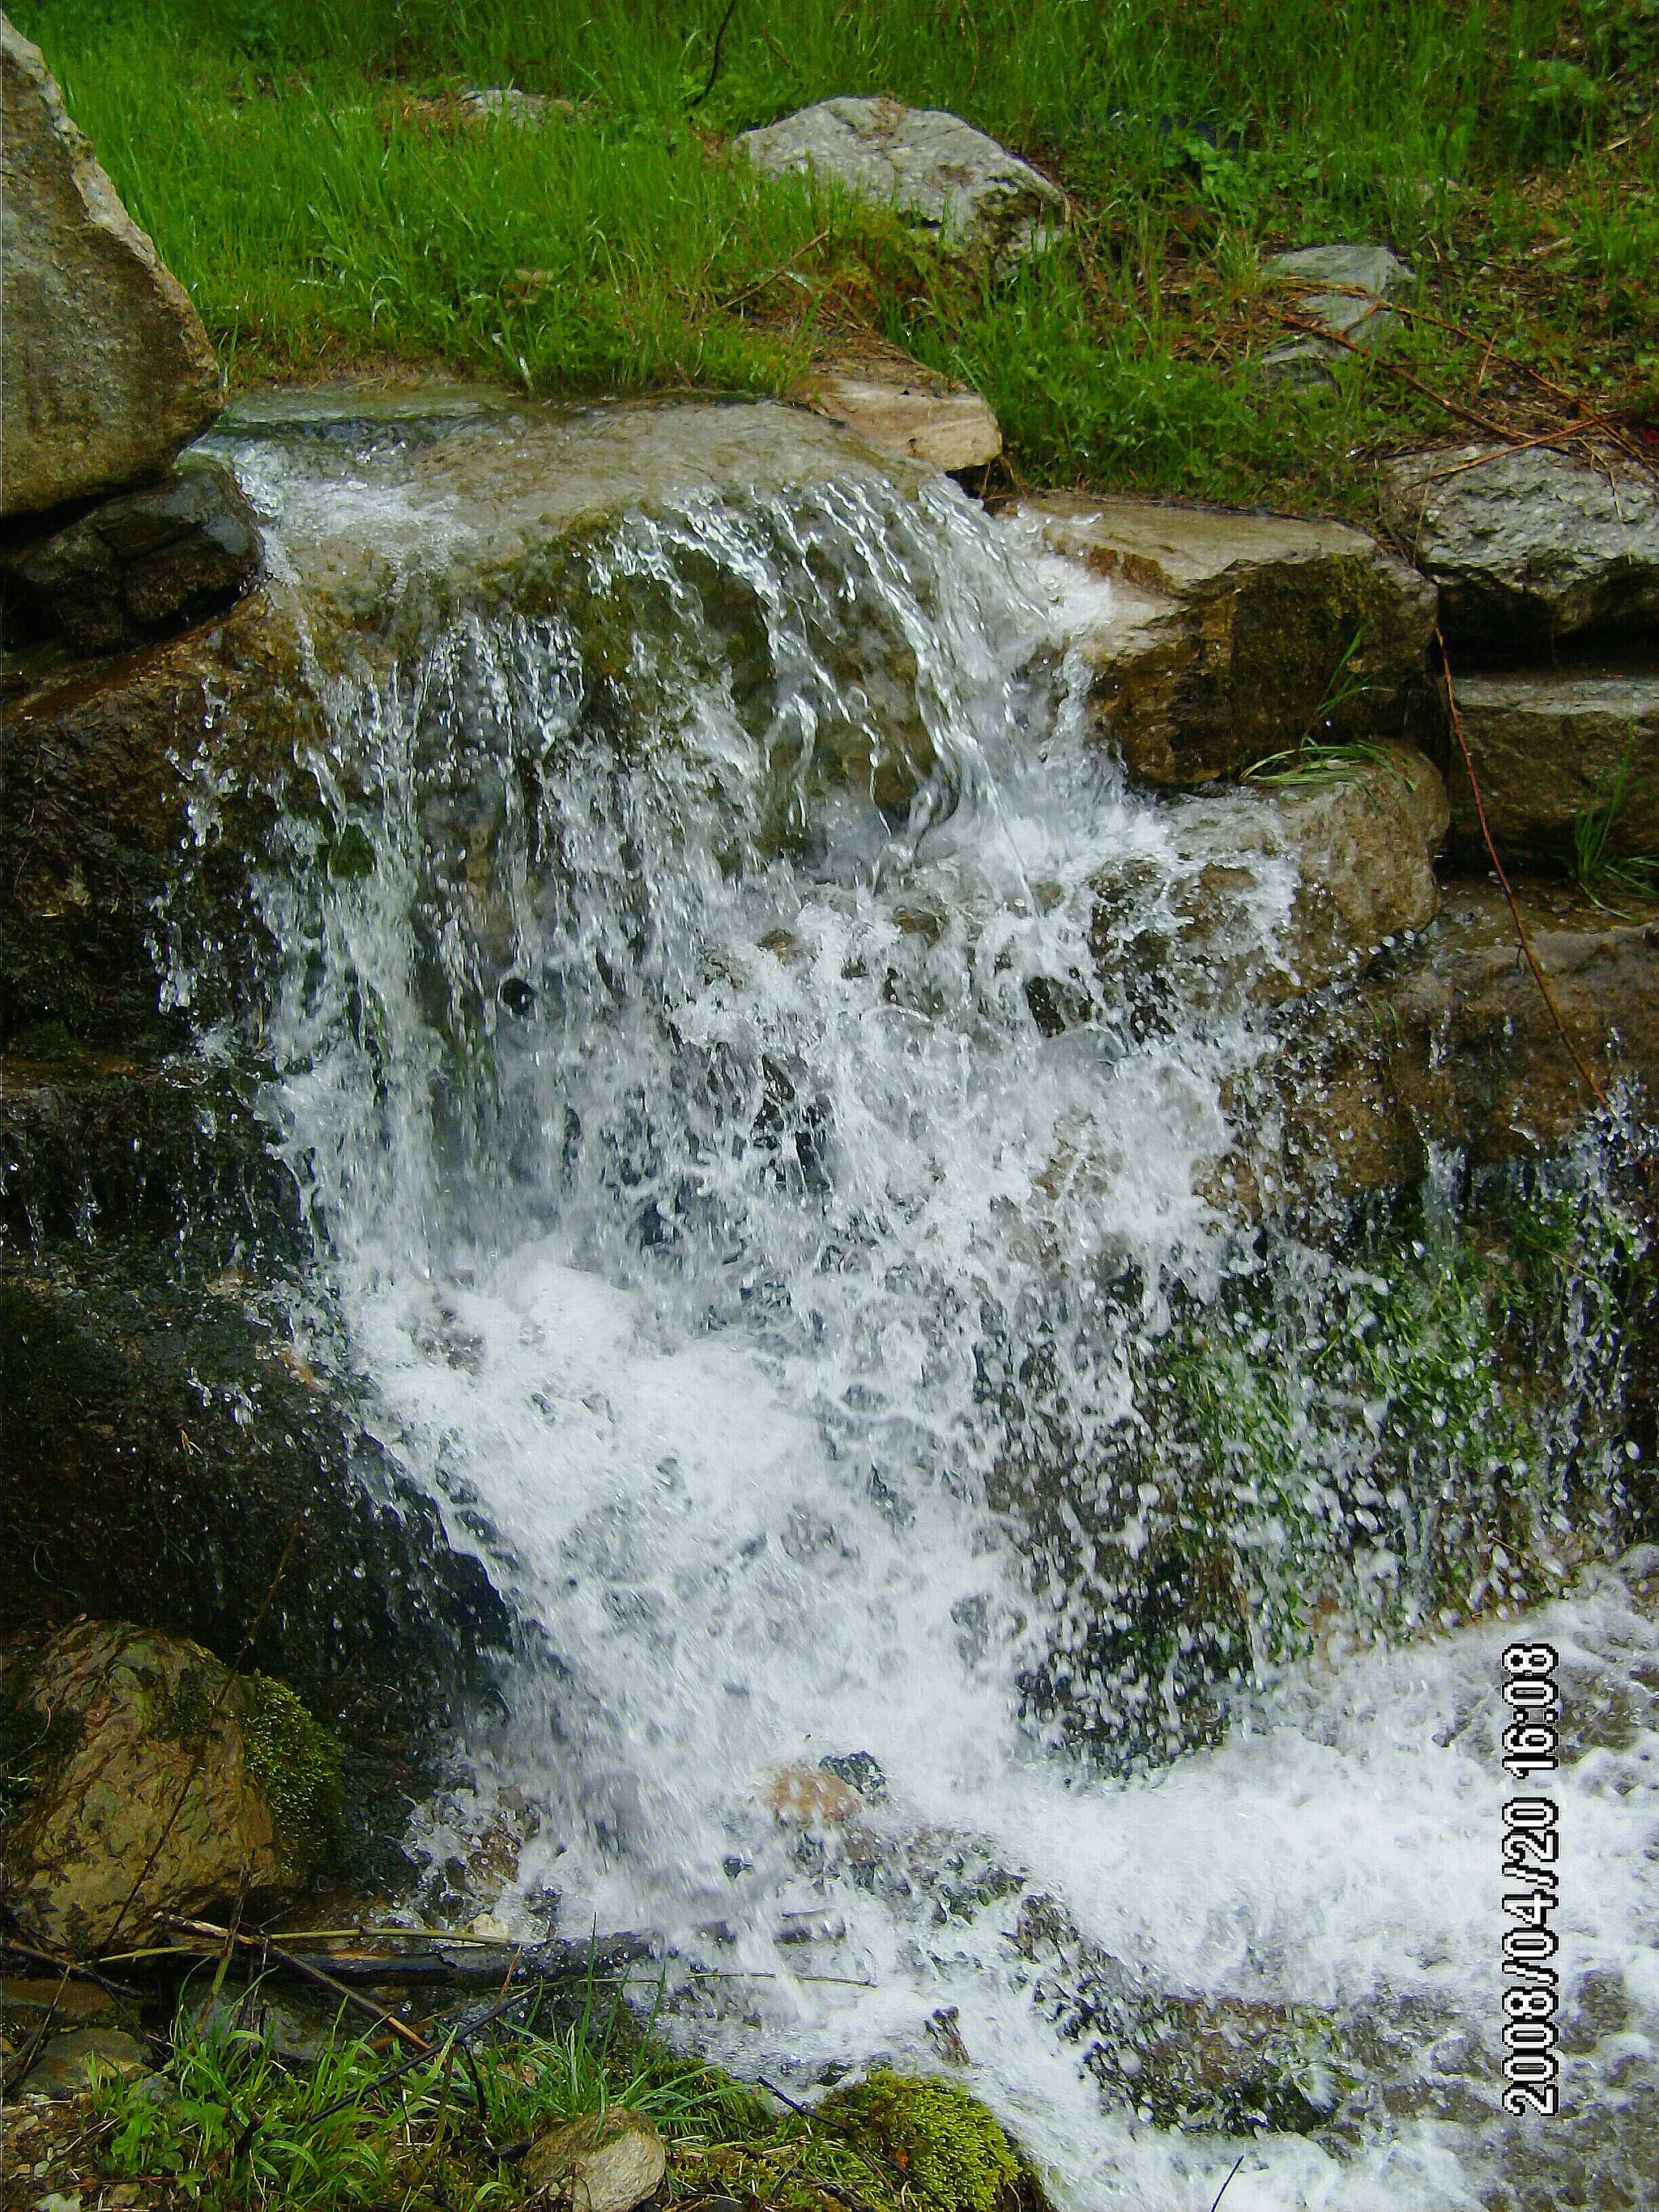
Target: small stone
[
  {"x": 899, "y": 408},
  {"x": 608, "y": 2162},
  {"x": 143, "y": 565},
  {"x": 105, "y": 368},
  {"x": 808, "y": 1797},
  {"x": 1361, "y": 279},
  {"x": 860, "y": 1770},
  {"x": 926, "y": 164},
  {"x": 497, "y": 103}
]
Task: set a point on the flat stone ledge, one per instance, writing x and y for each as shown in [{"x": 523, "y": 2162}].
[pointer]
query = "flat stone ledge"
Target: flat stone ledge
[{"x": 1220, "y": 638}]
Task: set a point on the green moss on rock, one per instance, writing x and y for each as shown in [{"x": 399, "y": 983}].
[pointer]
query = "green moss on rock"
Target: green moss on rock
[
  {"x": 943, "y": 2142},
  {"x": 296, "y": 1763}
]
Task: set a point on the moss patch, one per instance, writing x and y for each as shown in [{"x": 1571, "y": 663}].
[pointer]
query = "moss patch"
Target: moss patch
[
  {"x": 296, "y": 1763},
  {"x": 943, "y": 2142}
]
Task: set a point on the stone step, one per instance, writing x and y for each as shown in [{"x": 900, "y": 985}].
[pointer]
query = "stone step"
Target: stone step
[
  {"x": 1549, "y": 748},
  {"x": 1223, "y": 638},
  {"x": 1528, "y": 545}
]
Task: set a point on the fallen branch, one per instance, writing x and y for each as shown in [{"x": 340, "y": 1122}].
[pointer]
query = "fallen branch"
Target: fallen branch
[{"x": 307, "y": 1971}]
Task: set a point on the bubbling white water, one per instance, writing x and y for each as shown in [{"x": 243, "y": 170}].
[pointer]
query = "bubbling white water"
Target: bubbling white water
[{"x": 677, "y": 1133}]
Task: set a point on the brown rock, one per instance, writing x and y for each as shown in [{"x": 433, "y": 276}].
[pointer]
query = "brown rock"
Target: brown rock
[
  {"x": 609, "y": 2162},
  {"x": 808, "y": 1797},
  {"x": 1452, "y": 1042},
  {"x": 147, "y": 1804},
  {"x": 106, "y": 370},
  {"x": 1227, "y": 638},
  {"x": 1364, "y": 836},
  {"x": 898, "y": 407},
  {"x": 1549, "y": 746}
]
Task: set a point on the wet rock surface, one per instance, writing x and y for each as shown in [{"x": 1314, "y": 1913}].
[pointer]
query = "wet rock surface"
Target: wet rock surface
[
  {"x": 1449, "y": 1042},
  {"x": 927, "y": 164},
  {"x": 1527, "y": 546},
  {"x": 1551, "y": 748},
  {"x": 140, "y": 566},
  {"x": 107, "y": 371},
  {"x": 160, "y": 1785},
  {"x": 1226, "y": 638}
]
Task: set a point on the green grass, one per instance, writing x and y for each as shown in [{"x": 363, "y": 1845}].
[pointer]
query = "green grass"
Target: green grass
[
  {"x": 323, "y": 219},
  {"x": 1602, "y": 869},
  {"x": 227, "y": 2124}
]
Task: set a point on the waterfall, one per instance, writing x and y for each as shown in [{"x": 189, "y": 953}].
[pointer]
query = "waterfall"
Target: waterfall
[{"x": 755, "y": 1075}]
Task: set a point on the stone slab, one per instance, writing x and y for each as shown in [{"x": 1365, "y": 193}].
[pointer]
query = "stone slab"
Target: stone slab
[
  {"x": 905, "y": 412},
  {"x": 1549, "y": 747},
  {"x": 1224, "y": 637}
]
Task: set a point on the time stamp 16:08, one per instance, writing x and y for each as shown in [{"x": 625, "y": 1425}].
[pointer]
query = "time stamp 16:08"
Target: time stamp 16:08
[{"x": 1531, "y": 1882}]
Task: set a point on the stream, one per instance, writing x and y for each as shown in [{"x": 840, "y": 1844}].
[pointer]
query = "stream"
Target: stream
[{"x": 755, "y": 1069}]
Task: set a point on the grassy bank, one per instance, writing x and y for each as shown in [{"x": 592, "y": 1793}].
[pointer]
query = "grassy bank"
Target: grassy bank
[
  {"x": 301, "y": 169},
  {"x": 224, "y": 2124}
]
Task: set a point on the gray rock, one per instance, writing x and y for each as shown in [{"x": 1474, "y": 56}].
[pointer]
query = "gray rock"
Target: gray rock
[
  {"x": 64, "y": 2067},
  {"x": 1224, "y": 638},
  {"x": 607, "y": 2163},
  {"x": 143, "y": 565},
  {"x": 1528, "y": 545},
  {"x": 1359, "y": 278},
  {"x": 105, "y": 370},
  {"x": 928, "y": 165},
  {"x": 1549, "y": 746}
]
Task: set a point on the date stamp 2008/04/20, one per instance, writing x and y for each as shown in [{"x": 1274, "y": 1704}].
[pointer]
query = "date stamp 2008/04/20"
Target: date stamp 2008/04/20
[{"x": 1531, "y": 1866}]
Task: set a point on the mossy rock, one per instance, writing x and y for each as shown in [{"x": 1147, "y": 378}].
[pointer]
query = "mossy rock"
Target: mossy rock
[
  {"x": 160, "y": 1783},
  {"x": 945, "y": 2143}
]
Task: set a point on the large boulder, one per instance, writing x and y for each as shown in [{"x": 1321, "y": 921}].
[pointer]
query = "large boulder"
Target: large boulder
[
  {"x": 1528, "y": 545},
  {"x": 161, "y": 1783},
  {"x": 1227, "y": 638},
  {"x": 106, "y": 371},
  {"x": 1553, "y": 750},
  {"x": 930, "y": 165}
]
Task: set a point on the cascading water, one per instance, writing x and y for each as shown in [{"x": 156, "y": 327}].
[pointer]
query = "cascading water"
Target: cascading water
[{"x": 754, "y": 1161}]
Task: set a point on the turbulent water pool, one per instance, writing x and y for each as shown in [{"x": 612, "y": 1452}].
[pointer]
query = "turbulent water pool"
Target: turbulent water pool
[{"x": 758, "y": 1075}]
